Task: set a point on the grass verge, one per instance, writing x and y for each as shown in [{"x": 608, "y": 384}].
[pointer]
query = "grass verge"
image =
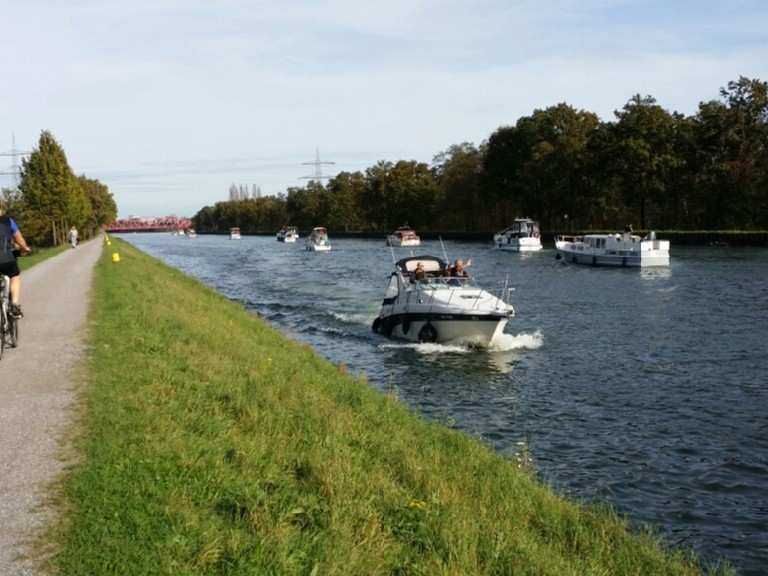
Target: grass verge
[
  {"x": 39, "y": 255},
  {"x": 212, "y": 444}
]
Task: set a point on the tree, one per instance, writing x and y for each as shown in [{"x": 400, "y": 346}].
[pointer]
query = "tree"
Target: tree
[
  {"x": 644, "y": 156},
  {"x": 102, "y": 204},
  {"x": 51, "y": 197}
]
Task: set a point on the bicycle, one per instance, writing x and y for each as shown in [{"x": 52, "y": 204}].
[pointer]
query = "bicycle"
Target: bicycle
[{"x": 9, "y": 324}]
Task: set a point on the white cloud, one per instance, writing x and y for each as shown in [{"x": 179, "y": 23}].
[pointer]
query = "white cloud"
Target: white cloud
[{"x": 173, "y": 82}]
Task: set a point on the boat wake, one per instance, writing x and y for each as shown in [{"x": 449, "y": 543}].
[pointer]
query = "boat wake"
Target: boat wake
[
  {"x": 505, "y": 343},
  {"x": 354, "y": 318},
  {"x": 428, "y": 348}
]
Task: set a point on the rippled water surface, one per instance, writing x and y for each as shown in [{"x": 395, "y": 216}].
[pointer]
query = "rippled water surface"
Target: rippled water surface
[{"x": 648, "y": 389}]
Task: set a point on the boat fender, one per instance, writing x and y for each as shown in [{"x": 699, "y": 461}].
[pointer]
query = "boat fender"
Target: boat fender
[{"x": 427, "y": 333}]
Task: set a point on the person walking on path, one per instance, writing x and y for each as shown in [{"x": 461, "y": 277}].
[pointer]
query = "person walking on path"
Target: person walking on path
[
  {"x": 36, "y": 394},
  {"x": 73, "y": 237}
]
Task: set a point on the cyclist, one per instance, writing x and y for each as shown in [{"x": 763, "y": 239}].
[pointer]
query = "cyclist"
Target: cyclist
[{"x": 10, "y": 234}]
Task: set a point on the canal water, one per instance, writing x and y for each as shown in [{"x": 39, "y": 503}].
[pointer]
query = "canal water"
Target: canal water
[{"x": 644, "y": 388}]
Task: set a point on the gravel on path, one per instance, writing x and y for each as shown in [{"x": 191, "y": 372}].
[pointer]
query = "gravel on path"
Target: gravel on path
[{"x": 36, "y": 395}]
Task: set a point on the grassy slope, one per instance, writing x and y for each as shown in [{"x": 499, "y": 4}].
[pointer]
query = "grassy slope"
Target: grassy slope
[
  {"x": 214, "y": 445},
  {"x": 39, "y": 255}
]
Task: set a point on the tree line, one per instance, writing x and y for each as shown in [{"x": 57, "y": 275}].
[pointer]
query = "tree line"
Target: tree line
[
  {"x": 51, "y": 198},
  {"x": 564, "y": 167}
]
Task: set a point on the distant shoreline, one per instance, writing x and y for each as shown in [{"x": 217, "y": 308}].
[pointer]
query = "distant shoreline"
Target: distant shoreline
[{"x": 678, "y": 237}]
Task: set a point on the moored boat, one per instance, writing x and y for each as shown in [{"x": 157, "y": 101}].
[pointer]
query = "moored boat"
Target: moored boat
[
  {"x": 234, "y": 233},
  {"x": 190, "y": 233},
  {"x": 522, "y": 235},
  {"x": 403, "y": 236},
  {"x": 288, "y": 234},
  {"x": 423, "y": 303},
  {"x": 318, "y": 241},
  {"x": 625, "y": 250}
]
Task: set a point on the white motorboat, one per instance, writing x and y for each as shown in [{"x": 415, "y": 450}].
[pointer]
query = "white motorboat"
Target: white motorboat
[
  {"x": 234, "y": 233},
  {"x": 190, "y": 233},
  {"x": 625, "y": 249},
  {"x": 522, "y": 236},
  {"x": 403, "y": 236},
  {"x": 288, "y": 234},
  {"x": 423, "y": 304},
  {"x": 318, "y": 241}
]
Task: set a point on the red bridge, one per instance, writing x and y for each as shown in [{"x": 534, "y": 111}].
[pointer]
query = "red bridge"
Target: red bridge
[{"x": 164, "y": 224}]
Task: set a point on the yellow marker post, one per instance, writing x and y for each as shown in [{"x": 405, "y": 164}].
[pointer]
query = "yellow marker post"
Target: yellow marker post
[{"x": 115, "y": 257}]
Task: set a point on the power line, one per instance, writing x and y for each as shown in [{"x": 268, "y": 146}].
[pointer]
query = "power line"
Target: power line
[
  {"x": 15, "y": 168},
  {"x": 318, "y": 164}
]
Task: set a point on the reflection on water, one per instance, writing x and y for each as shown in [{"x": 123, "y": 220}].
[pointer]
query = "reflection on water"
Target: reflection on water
[{"x": 645, "y": 387}]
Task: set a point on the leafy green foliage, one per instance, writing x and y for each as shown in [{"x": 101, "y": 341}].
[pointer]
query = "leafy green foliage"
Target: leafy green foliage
[
  {"x": 51, "y": 198},
  {"x": 647, "y": 167}
]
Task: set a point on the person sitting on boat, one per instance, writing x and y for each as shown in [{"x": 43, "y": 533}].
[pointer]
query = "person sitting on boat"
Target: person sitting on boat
[
  {"x": 419, "y": 274},
  {"x": 458, "y": 270}
]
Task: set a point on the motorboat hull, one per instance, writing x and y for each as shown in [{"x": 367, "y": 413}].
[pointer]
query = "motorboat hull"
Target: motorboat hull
[
  {"x": 632, "y": 260},
  {"x": 318, "y": 247},
  {"x": 519, "y": 244},
  {"x": 463, "y": 329},
  {"x": 396, "y": 242}
]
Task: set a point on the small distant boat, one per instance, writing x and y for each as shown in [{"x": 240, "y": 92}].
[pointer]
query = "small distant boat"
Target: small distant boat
[
  {"x": 190, "y": 233},
  {"x": 318, "y": 240},
  {"x": 403, "y": 236},
  {"x": 626, "y": 249},
  {"x": 288, "y": 234},
  {"x": 423, "y": 304},
  {"x": 522, "y": 236},
  {"x": 234, "y": 233}
]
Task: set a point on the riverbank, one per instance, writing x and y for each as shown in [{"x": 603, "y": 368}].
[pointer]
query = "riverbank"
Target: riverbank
[{"x": 211, "y": 443}]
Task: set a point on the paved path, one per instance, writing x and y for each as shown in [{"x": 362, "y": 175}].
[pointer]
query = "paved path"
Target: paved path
[{"x": 36, "y": 394}]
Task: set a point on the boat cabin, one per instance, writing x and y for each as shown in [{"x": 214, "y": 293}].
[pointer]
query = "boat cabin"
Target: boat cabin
[
  {"x": 405, "y": 233},
  {"x": 522, "y": 228}
]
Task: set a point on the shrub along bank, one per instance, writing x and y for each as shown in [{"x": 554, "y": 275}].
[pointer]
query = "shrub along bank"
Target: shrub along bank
[{"x": 212, "y": 444}]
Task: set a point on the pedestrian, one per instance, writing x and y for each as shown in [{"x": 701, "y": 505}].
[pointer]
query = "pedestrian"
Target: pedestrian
[{"x": 73, "y": 237}]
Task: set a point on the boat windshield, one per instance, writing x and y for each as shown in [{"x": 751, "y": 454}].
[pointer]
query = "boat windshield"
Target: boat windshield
[{"x": 439, "y": 282}]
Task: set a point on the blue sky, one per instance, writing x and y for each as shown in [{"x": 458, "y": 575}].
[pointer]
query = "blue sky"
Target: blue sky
[{"x": 170, "y": 101}]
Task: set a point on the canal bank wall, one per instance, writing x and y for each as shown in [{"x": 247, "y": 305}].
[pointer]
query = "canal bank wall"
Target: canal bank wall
[{"x": 212, "y": 443}]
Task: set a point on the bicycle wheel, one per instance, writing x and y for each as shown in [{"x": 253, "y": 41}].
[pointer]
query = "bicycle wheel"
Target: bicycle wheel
[
  {"x": 13, "y": 331},
  {"x": 2, "y": 331}
]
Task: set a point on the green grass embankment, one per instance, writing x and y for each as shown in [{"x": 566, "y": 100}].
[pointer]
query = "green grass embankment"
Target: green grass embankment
[
  {"x": 38, "y": 255},
  {"x": 211, "y": 444}
]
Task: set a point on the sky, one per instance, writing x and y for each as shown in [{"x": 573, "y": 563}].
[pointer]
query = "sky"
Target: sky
[{"x": 168, "y": 102}]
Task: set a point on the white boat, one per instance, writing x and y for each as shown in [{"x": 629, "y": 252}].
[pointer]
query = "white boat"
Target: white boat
[
  {"x": 429, "y": 306},
  {"x": 625, "y": 249},
  {"x": 234, "y": 233},
  {"x": 403, "y": 236},
  {"x": 190, "y": 233},
  {"x": 288, "y": 234},
  {"x": 318, "y": 241},
  {"x": 522, "y": 236}
]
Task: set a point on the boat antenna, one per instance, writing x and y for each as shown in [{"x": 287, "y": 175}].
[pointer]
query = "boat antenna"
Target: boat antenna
[{"x": 442, "y": 245}]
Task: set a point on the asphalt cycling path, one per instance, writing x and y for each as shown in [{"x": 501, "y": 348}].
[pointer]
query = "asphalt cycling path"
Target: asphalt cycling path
[{"x": 36, "y": 395}]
